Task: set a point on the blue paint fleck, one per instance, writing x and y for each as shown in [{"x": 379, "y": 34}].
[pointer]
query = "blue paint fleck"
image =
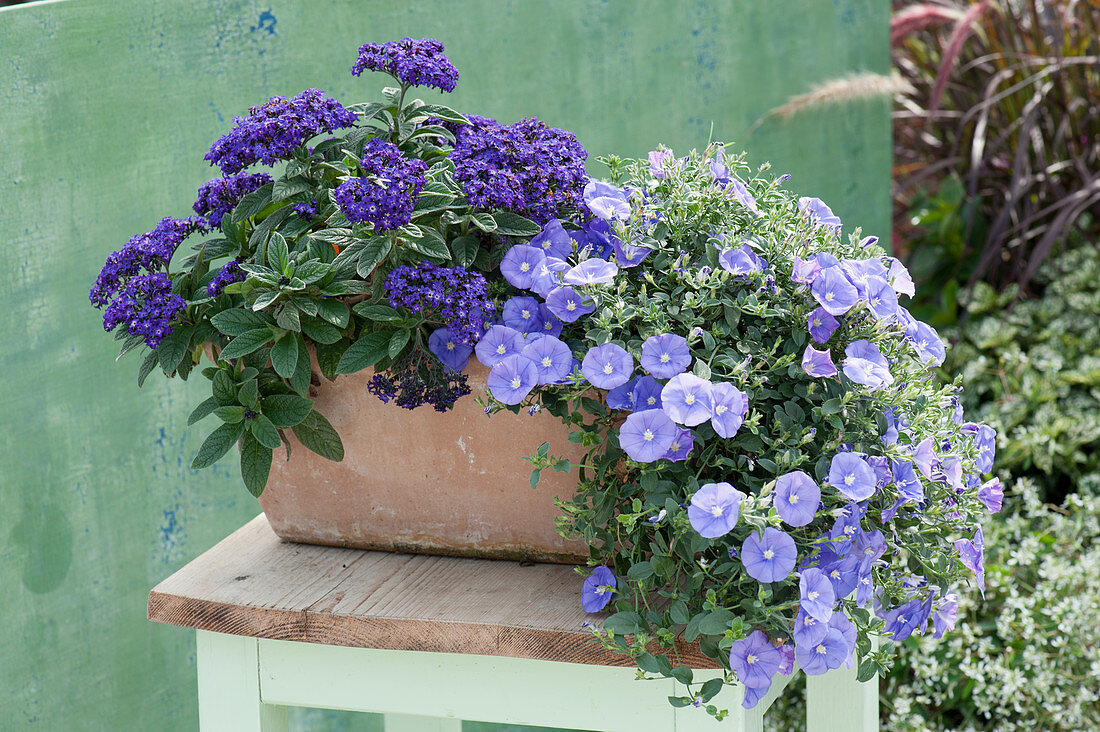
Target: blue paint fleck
[
  {"x": 267, "y": 23},
  {"x": 217, "y": 113},
  {"x": 169, "y": 531}
]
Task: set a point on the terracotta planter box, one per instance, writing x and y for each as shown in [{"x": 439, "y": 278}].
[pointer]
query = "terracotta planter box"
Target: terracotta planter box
[{"x": 424, "y": 482}]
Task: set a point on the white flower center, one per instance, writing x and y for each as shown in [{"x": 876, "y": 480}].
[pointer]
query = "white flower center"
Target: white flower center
[
  {"x": 689, "y": 399},
  {"x": 835, "y": 574},
  {"x": 849, "y": 478},
  {"x": 651, "y": 401},
  {"x": 664, "y": 358},
  {"x": 526, "y": 314},
  {"x": 516, "y": 383},
  {"x": 601, "y": 590},
  {"x": 571, "y": 306},
  {"x": 768, "y": 554},
  {"x": 820, "y": 649},
  {"x": 546, "y": 361},
  {"x": 501, "y": 349},
  {"x": 450, "y": 345},
  {"x": 648, "y": 435},
  {"x": 829, "y": 297},
  {"x": 849, "y": 530},
  {"x": 750, "y": 659},
  {"x": 524, "y": 267},
  {"x": 812, "y": 595},
  {"x": 817, "y": 322},
  {"x": 607, "y": 368},
  {"x": 810, "y": 621},
  {"x": 716, "y": 512},
  {"x": 720, "y": 409},
  {"x": 792, "y": 499}
]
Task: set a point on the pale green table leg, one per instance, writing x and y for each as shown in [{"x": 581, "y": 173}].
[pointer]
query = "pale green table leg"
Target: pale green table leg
[
  {"x": 229, "y": 686},
  {"x": 836, "y": 702},
  {"x": 410, "y": 723}
]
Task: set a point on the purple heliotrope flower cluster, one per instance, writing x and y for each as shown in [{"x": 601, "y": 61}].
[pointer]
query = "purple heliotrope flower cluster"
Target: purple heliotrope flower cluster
[
  {"x": 132, "y": 297},
  {"x": 454, "y": 295},
  {"x": 145, "y": 306},
  {"x": 417, "y": 379},
  {"x": 270, "y": 131},
  {"x": 218, "y": 197},
  {"x": 229, "y": 273},
  {"x": 412, "y": 62},
  {"x": 526, "y": 167},
  {"x": 385, "y": 195}
]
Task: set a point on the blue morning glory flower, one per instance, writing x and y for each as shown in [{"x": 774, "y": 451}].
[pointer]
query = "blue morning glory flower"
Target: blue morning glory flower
[
  {"x": 882, "y": 301},
  {"x": 899, "y": 278},
  {"x": 769, "y": 558},
  {"x": 860, "y": 272},
  {"x": 630, "y": 255},
  {"x": 682, "y": 445},
  {"x": 552, "y": 358},
  {"x": 591, "y": 272},
  {"x": 594, "y": 239},
  {"x": 924, "y": 457},
  {"x": 834, "y": 292},
  {"x": 687, "y": 399},
  {"x": 820, "y": 214},
  {"x": 865, "y": 364},
  {"x": 797, "y": 498},
  {"x": 448, "y": 350},
  {"x": 903, "y": 620},
  {"x": 522, "y": 314},
  {"x": 870, "y": 545},
  {"x": 521, "y": 264},
  {"x": 816, "y": 594},
  {"x": 568, "y": 304},
  {"x": 906, "y": 480},
  {"x": 755, "y": 660},
  {"x": 847, "y": 631},
  {"x": 843, "y": 572},
  {"x": 926, "y": 341},
  {"x": 646, "y": 436},
  {"x": 622, "y": 396},
  {"x": 499, "y": 342},
  {"x": 549, "y": 276},
  {"x": 821, "y": 325},
  {"x": 865, "y": 586},
  {"x": 852, "y": 476},
  {"x": 665, "y": 355},
  {"x": 607, "y": 366},
  {"x": 986, "y": 442},
  {"x": 828, "y": 653},
  {"x": 512, "y": 379},
  {"x": 714, "y": 509},
  {"x": 741, "y": 261},
  {"x": 945, "y": 615},
  {"x": 971, "y": 553},
  {"x": 551, "y": 324},
  {"x": 992, "y": 495},
  {"x": 730, "y": 405},
  {"x": 805, "y": 271},
  {"x": 657, "y": 160},
  {"x": 606, "y": 201},
  {"x": 818, "y": 364},
  {"x": 646, "y": 394},
  {"x": 808, "y": 630},
  {"x": 553, "y": 240},
  {"x": 597, "y": 589},
  {"x": 826, "y": 260}
]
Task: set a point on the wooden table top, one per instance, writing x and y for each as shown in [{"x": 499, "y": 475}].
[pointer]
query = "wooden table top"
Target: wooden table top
[{"x": 252, "y": 583}]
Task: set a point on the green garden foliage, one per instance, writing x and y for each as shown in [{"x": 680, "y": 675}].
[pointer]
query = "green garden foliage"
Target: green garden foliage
[{"x": 1032, "y": 370}]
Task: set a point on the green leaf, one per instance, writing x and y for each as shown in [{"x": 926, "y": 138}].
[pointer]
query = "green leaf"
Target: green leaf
[
  {"x": 442, "y": 112},
  {"x": 328, "y": 356},
  {"x": 316, "y": 434},
  {"x": 319, "y": 330},
  {"x": 278, "y": 255},
  {"x": 374, "y": 251},
  {"x": 255, "y": 464},
  {"x": 510, "y": 224},
  {"x": 691, "y": 632},
  {"x": 285, "y": 410},
  {"x": 832, "y": 406},
  {"x": 284, "y": 355},
  {"x": 264, "y": 228},
  {"x": 249, "y": 394},
  {"x": 246, "y": 343},
  {"x": 289, "y": 317},
  {"x": 399, "y": 340},
  {"x": 252, "y": 203},
  {"x": 640, "y": 571},
  {"x": 172, "y": 350},
  {"x": 264, "y": 297},
  {"x": 365, "y": 352},
  {"x": 867, "y": 670},
  {"x": 465, "y": 249},
  {"x": 333, "y": 311},
  {"x": 484, "y": 221},
  {"x": 646, "y": 662},
  {"x": 217, "y": 444},
  {"x": 224, "y": 388},
  {"x": 377, "y": 312},
  {"x": 232, "y": 414},
  {"x": 264, "y": 431},
  {"x": 682, "y": 674},
  {"x": 235, "y": 321},
  {"x": 285, "y": 187},
  {"x": 536, "y": 476},
  {"x": 710, "y": 689},
  {"x": 716, "y": 622},
  {"x": 303, "y": 372},
  {"x": 147, "y": 367},
  {"x": 204, "y": 409},
  {"x": 431, "y": 244},
  {"x": 624, "y": 623},
  {"x": 680, "y": 701}
]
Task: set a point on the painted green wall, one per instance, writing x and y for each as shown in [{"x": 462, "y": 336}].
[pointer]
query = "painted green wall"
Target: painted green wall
[{"x": 106, "y": 108}]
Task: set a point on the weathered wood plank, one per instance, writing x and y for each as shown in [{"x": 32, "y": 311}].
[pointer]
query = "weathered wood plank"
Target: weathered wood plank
[{"x": 254, "y": 584}]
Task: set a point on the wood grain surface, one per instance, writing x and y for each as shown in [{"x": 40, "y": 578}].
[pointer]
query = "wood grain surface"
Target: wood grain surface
[{"x": 255, "y": 584}]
